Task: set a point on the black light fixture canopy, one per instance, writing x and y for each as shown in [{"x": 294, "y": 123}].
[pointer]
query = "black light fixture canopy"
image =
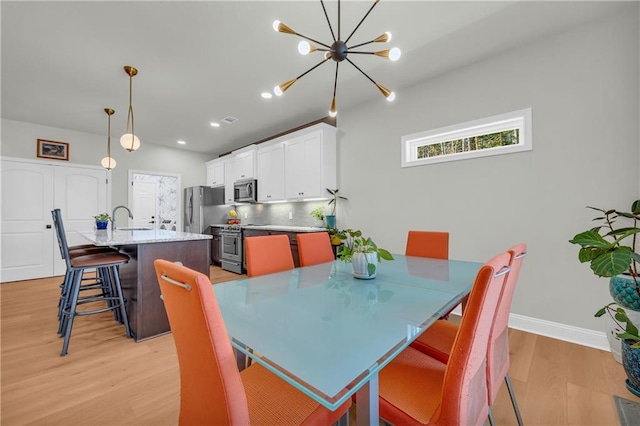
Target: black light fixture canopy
[{"x": 338, "y": 51}]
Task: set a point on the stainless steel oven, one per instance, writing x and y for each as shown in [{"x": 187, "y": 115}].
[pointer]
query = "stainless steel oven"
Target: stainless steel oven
[{"x": 231, "y": 244}]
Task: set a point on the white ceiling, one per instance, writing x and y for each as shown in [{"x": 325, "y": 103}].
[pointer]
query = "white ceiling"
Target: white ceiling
[{"x": 204, "y": 60}]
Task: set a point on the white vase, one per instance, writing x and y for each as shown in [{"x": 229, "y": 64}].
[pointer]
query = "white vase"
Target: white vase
[{"x": 361, "y": 262}]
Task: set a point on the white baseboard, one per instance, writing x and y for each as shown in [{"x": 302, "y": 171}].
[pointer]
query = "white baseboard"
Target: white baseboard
[{"x": 555, "y": 330}]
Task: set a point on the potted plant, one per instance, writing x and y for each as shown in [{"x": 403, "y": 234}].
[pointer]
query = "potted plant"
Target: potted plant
[
  {"x": 630, "y": 338},
  {"x": 603, "y": 247},
  {"x": 361, "y": 252},
  {"x": 318, "y": 214},
  {"x": 331, "y": 218},
  {"x": 102, "y": 220}
]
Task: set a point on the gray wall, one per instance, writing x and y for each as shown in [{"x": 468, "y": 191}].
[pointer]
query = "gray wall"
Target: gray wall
[
  {"x": 583, "y": 89},
  {"x": 19, "y": 140}
]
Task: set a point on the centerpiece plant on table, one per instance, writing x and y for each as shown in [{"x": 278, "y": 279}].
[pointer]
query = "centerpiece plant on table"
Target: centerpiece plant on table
[{"x": 361, "y": 252}]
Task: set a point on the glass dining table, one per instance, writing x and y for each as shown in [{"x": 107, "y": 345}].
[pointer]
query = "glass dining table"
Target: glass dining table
[{"x": 328, "y": 333}]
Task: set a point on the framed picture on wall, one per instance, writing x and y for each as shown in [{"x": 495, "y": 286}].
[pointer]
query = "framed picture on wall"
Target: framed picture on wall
[{"x": 53, "y": 150}]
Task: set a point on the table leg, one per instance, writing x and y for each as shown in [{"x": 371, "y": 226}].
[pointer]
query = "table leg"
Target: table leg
[
  {"x": 367, "y": 403},
  {"x": 241, "y": 360}
]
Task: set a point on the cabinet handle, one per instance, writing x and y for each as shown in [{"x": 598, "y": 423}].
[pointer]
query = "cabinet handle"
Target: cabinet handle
[{"x": 48, "y": 226}]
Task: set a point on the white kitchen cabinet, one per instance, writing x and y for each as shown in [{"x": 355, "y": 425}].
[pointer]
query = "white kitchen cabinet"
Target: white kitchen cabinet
[
  {"x": 229, "y": 179},
  {"x": 215, "y": 173},
  {"x": 310, "y": 164},
  {"x": 271, "y": 173},
  {"x": 245, "y": 163}
]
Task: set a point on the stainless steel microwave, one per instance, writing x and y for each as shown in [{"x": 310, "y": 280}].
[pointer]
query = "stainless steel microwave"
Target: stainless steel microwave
[{"x": 245, "y": 191}]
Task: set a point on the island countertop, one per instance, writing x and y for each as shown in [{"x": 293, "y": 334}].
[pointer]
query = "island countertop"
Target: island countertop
[{"x": 121, "y": 237}]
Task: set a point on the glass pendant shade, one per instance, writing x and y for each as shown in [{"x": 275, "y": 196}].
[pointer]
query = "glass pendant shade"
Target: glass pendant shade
[
  {"x": 108, "y": 163},
  {"x": 130, "y": 142}
]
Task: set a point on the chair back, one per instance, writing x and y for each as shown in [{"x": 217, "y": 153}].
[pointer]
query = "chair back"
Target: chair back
[
  {"x": 314, "y": 248},
  {"x": 56, "y": 214},
  {"x": 268, "y": 254},
  {"x": 211, "y": 390},
  {"x": 498, "y": 351},
  {"x": 428, "y": 244},
  {"x": 464, "y": 390}
]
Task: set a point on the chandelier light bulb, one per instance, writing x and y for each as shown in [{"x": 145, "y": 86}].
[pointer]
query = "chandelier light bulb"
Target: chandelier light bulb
[
  {"x": 277, "y": 91},
  {"x": 304, "y": 47},
  {"x": 129, "y": 145},
  {"x": 333, "y": 114},
  {"x": 388, "y": 36},
  {"x": 108, "y": 163},
  {"x": 394, "y": 54},
  {"x": 391, "y": 97},
  {"x": 276, "y": 24},
  {"x": 333, "y": 111}
]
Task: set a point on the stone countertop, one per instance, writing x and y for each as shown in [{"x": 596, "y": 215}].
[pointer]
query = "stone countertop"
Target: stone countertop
[
  {"x": 283, "y": 228},
  {"x": 121, "y": 237}
]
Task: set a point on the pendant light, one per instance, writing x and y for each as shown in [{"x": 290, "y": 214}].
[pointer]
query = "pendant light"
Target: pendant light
[
  {"x": 108, "y": 162},
  {"x": 129, "y": 140},
  {"x": 338, "y": 51}
]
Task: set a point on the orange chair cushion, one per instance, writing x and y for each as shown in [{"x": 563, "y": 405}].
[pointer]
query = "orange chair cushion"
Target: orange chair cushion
[
  {"x": 437, "y": 340},
  {"x": 314, "y": 248},
  {"x": 428, "y": 244},
  {"x": 268, "y": 254}
]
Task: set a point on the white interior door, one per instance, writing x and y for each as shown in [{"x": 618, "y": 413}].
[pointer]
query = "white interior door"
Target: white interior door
[
  {"x": 145, "y": 204},
  {"x": 79, "y": 193},
  {"x": 27, "y": 228}
]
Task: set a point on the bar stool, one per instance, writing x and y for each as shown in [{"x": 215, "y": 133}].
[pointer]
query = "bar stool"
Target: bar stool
[{"x": 108, "y": 280}]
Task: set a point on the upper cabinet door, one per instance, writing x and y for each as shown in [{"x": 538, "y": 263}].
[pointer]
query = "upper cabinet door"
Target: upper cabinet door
[
  {"x": 245, "y": 165},
  {"x": 215, "y": 173},
  {"x": 271, "y": 173},
  {"x": 303, "y": 167},
  {"x": 229, "y": 179}
]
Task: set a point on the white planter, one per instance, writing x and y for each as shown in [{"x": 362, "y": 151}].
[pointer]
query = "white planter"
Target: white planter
[{"x": 361, "y": 262}]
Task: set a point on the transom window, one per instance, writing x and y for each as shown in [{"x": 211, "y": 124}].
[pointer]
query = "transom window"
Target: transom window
[{"x": 500, "y": 134}]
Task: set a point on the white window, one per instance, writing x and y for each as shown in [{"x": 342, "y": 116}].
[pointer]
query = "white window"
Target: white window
[{"x": 500, "y": 134}]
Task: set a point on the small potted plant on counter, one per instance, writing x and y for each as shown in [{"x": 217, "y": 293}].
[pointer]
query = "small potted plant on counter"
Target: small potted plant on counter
[
  {"x": 362, "y": 252},
  {"x": 102, "y": 220},
  {"x": 331, "y": 218},
  {"x": 318, "y": 214}
]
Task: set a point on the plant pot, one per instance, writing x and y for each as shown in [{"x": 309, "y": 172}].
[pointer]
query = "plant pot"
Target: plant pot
[
  {"x": 102, "y": 224},
  {"x": 319, "y": 223},
  {"x": 623, "y": 291},
  {"x": 631, "y": 364},
  {"x": 361, "y": 265},
  {"x": 331, "y": 220}
]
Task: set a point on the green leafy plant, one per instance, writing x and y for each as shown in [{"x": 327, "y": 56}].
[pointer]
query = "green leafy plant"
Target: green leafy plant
[
  {"x": 102, "y": 217},
  {"x": 334, "y": 201},
  {"x": 353, "y": 242},
  {"x": 602, "y": 246},
  {"x": 318, "y": 212},
  {"x": 619, "y": 315}
]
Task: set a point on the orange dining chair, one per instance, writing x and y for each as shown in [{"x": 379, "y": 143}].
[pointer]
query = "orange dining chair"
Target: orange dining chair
[
  {"x": 212, "y": 390},
  {"x": 268, "y": 254},
  {"x": 428, "y": 244},
  {"x": 314, "y": 248},
  {"x": 416, "y": 389},
  {"x": 437, "y": 341}
]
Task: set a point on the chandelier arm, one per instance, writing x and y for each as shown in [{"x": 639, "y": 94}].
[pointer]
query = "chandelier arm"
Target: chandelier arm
[
  {"x": 312, "y": 68},
  {"x": 335, "y": 80},
  {"x": 328, "y": 21},
  {"x": 339, "y": 20},
  {"x": 361, "y": 44},
  {"x": 361, "y": 21},
  {"x": 362, "y": 53},
  {"x": 363, "y": 73},
  {"x": 315, "y": 41}
]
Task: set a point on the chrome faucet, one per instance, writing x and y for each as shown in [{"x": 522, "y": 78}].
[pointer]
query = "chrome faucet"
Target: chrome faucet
[{"x": 113, "y": 216}]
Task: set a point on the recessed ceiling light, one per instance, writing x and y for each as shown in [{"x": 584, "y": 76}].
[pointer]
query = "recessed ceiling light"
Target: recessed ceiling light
[
  {"x": 266, "y": 95},
  {"x": 214, "y": 124},
  {"x": 182, "y": 143}
]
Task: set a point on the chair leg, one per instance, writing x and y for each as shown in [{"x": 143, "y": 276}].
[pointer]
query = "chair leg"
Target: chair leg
[
  {"x": 123, "y": 309},
  {"x": 513, "y": 399},
  {"x": 492, "y": 421},
  {"x": 70, "y": 312}
]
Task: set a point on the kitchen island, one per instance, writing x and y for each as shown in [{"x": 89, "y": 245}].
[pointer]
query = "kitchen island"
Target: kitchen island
[{"x": 147, "y": 316}]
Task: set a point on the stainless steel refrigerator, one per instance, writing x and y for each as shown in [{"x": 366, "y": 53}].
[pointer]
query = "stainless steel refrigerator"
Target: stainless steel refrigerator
[{"x": 196, "y": 199}]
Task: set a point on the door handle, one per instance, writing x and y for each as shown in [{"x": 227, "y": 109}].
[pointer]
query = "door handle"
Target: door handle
[{"x": 48, "y": 226}]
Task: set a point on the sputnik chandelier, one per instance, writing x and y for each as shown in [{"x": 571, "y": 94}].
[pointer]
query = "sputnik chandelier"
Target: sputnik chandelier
[{"x": 338, "y": 51}]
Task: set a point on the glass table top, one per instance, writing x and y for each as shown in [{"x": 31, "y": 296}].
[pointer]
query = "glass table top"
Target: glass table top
[{"x": 325, "y": 331}]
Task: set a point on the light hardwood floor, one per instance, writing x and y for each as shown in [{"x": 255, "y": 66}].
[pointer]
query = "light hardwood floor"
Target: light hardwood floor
[{"x": 107, "y": 379}]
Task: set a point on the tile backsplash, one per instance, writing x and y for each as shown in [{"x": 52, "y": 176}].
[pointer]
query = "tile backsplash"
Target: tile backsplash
[{"x": 270, "y": 214}]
